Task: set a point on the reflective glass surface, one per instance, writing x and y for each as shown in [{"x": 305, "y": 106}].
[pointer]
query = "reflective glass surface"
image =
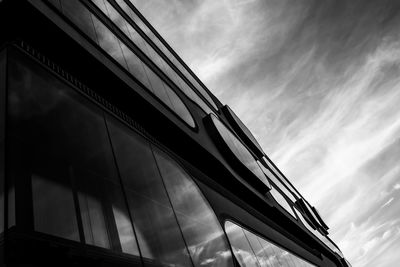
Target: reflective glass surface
[
  {"x": 42, "y": 113},
  {"x": 272, "y": 177},
  {"x": 60, "y": 144},
  {"x": 201, "y": 230},
  {"x": 183, "y": 85},
  {"x": 310, "y": 217},
  {"x": 317, "y": 214},
  {"x": 252, "y": 250},
  {"x": 282, "y": 201},
  {"x": 239, "y": 150},
  {"x": 257, "y": 248},
  {"x": 282, "y": 179},
  {"x": 311, "y": 211},
  {"x": 79, "y": 15},
  {"x": 148, "y": 50},
  {"x": 240, "y": 245},
  {"x": 74, "y": 156},
  {"x": 234, "y": 119},
  {"x": 160, "y": 239},
  {"x": 113, "y": 46}
]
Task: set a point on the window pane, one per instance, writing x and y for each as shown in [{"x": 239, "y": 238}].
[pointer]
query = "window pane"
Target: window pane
[
  {"x": 78, "y": 14},
  {"x": 277, "y": 182},
  {"x": 136, "y": 67},
  {"x": 201, "y": 229},
  {"x": 159, "y": 88},
  {"x": 281, "y": 181},
  {"x": 159, "y": 237},
  {"x": 53, "y": 207},
  {"x": 270, "y": 252},
  {"x": 282, "y": 201},
  {"x": 239, "y": 150},
  {"x": 54, "y": 132},
  {"x": 240, "y": 245},
  {"x": 109, "y": 42},
  {"x": 257, "y": 249}
]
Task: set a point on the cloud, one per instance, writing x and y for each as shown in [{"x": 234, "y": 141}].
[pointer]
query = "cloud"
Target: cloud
[{"x": 387, "y": 202}]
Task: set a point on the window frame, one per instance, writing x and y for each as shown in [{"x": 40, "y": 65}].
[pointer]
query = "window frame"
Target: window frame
[
  {"x": 259, "y": 181},
  {"x": 3, "y": 111}
]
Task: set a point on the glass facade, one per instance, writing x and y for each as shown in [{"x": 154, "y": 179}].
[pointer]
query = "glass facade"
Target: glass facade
[
  {"x": 131, "y": 12},
  {"x": 239, "y": 150},
  {"x": 91, "y": 179},
  {"x": 96, "y": 30},
  {"x": 200, "y": 228},
  {"x": 282, "y": 180},
  {"x": 277, "y": 182},
  {"x": 253, "y": 250},
  {"x": 136, "y": 38}
]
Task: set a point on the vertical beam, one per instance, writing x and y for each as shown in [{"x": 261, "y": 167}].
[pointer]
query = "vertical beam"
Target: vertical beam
[{"x": 3, "y": 210}]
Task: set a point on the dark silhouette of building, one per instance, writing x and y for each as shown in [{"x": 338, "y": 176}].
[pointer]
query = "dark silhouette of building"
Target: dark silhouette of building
[{"x": 113, "y": 153}]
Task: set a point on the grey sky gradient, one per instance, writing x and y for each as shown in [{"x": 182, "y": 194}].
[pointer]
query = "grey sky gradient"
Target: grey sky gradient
[{"x": 317, "y": 82}]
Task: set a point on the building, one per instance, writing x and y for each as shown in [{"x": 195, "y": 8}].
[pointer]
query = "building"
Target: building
[{"x": 113, "y": 153}]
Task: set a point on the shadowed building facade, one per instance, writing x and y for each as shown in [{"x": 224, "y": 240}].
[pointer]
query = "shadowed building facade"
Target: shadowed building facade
[{"x": 113, "y": 153}]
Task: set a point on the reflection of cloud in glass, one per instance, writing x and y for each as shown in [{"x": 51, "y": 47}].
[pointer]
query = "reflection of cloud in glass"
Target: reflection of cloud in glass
[
  {"x": 125, "y": 231},
  {"x": 23, "y": 102},
  {"x": 202, "y": 232},
  {"x": 252, "y": 250}
]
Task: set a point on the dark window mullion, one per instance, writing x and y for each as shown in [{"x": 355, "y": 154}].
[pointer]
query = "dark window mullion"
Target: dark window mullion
[{"x": 3, "y": 113}]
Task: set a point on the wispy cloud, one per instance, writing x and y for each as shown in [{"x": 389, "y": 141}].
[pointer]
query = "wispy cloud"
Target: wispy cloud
[
  {"x": 387, "y": 202},
  {"x": 318, "y": 83}
]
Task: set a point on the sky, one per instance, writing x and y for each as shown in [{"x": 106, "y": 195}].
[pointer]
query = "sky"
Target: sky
[{"x": 318, "y": 83}]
